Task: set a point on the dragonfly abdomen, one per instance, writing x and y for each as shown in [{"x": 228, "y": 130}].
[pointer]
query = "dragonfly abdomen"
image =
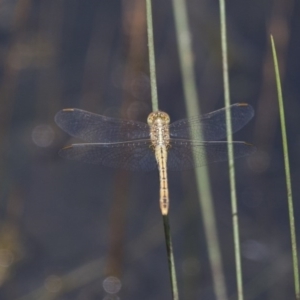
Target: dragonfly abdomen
[{"x": 161, "y": 155}]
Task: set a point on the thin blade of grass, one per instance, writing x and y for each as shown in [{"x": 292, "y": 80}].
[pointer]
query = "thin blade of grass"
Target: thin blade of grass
[
  {"x": 234, "y": 209},
  {"x": 152, "y": 68},
  {"x": 287, "y": 173},
  {"x": 172, "y": 270},
  {"x": 154, "y": 97},
  {"x": 202, "y": 178}
]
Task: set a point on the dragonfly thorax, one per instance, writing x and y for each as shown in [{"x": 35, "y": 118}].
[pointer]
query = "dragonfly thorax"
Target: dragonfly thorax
[{"x": 159, "y": 128}]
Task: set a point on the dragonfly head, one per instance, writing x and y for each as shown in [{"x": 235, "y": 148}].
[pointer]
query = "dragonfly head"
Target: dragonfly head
[{"x": 158, "y": 116}]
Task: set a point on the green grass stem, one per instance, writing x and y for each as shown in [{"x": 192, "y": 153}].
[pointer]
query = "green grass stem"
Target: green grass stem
[
  {"x": 154, "y": 97},
  {"x": 234, "y": 208},
  {"x": 152, "y": 68},
  {"x": 169, "y": 246},
  {"x": 202, "y": 178},
  {"x": 287, "y": 172}
]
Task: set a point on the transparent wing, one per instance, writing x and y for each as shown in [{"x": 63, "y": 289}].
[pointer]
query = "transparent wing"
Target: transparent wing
[
  {"x": 96, "y": 128},
  {"x": 213, "y": 124},
  {"x": 134, "y": 156},
  {"x": 180, "y": 154},
  {"x": 137, "y": 156}
]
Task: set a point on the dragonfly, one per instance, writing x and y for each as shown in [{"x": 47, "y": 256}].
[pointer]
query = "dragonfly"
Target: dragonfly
[{"x": 157, "y": 144}]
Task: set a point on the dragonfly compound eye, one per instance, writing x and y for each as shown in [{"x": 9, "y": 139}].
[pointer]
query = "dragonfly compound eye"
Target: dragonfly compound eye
[
  {"x": 164, "y": 116},
  {"x": 158, "y": 116},
  {"x": 150, "y": 118}
]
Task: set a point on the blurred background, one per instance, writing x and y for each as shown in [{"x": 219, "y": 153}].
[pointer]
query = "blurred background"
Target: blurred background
[{"x": 75, "y": 231}]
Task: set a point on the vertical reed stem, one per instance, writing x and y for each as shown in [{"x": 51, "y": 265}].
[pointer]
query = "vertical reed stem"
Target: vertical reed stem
[
  {"x": 154, "y": 98},
  {"x": 184, "y": 42},
  {"x": 151, "y": 56}
]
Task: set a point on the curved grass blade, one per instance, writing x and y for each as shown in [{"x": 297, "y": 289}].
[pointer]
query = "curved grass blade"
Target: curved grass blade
[{"x": 287, "y": 174}]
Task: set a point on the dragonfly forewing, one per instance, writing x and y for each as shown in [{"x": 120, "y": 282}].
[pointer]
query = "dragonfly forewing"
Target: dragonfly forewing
[
  {"x": 213, "y": 125},
  {"x": 96, "y": 128}
]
